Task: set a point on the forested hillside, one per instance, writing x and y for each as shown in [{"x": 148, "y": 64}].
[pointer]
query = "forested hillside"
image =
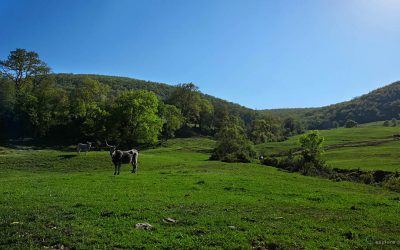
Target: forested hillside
[
  {"x": 66, "y": 108},
  {"x": 296, "y": 113},
  {"x": 119, "y": 84},
  {"x": 380, "y": 104},
  {"x": 38, "y": 104}
]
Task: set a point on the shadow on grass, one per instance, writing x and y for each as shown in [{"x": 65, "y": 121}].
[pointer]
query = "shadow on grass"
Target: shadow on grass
[{"x": 66, "y": 157}]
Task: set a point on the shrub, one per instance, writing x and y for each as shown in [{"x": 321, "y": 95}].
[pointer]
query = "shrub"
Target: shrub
[
  {"x": 380, "y": 175},
  {"x": 394, "y": 122},
  {"x": 312, "y": 146},
  {"x": 232, "y": 144},
  {"x": 351, "y": 124},
  {"x": 392, "y": 183},
  {"x": 386, "y": 124},
  {"x": 367, "y": 178},
  {"x": 308, "y": 168},
  {"x": 270, "y": 161}
]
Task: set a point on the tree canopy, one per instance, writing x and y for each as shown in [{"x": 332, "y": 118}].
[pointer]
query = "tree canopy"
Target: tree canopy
[{"x": 21, "y": 65}]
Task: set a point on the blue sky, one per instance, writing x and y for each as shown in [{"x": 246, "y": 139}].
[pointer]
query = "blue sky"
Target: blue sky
[{"x": 259, "y": 53}]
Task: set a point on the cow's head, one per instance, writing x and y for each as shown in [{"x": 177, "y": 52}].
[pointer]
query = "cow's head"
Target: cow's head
[{"x": 112, "y": 148}]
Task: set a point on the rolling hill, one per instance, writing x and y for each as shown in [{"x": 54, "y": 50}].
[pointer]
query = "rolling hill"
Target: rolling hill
[
  {"x": 118, "y": 84},
  {"x": 368, "y": 147},
  {"x": 380, "y": 104}
]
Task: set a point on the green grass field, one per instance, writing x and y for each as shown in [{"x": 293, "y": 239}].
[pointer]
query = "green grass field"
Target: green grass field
[
  {"x": 368, "y": 147},
  {"x": 56, "y": 199}
]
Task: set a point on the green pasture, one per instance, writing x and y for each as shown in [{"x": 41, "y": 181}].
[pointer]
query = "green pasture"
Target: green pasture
[
  {"x": 368, "y": 147},
  {"x": 56, "y": 199}
]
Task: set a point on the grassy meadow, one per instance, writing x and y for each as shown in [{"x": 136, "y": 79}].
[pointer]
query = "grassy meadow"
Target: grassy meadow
[
  {"x": 368, "y": 147},
  {"x": 56, "y": 199}
]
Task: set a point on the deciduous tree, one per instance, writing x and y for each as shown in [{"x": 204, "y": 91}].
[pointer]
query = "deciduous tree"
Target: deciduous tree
[
  {"x": 134, "y": 118},
  {"x": 312, "y": 145},
  {"x": 22, "y": 65},
  {"x": 172, "y": 119}
]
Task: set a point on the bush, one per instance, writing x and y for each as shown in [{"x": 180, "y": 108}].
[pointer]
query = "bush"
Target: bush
[
  {"x": 386, "y": 124},
  {"x": 367, "y": 178},
  {"x": 392, "y": 183},
  {"x": 308, "y": 168},
  {"x": 291, "y": 164},
  {"x": 380, "y": 175},
  {"x": 270, "y": 161},
  {"x": 232, "y": 144},
  {"x": 311, "y": 144},
  {"x": 351, "y": 124},
  {"x": 241, "y": 154},
  {"x": 394, "y": 122}
]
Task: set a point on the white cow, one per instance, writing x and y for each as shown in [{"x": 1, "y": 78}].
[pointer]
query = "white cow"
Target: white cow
[{"x": 85, "y": 147}]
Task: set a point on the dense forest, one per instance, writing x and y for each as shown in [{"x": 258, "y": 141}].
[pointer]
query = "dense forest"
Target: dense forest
[{"x": 38, "y": 105}]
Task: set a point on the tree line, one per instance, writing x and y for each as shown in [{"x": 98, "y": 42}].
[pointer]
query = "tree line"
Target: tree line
[{"x": 66, "y": 108}]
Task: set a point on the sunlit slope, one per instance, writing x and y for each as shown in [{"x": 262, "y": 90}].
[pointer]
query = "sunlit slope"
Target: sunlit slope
[
  {"x": 377, "y": 105},
  {"x": 55, "y": 199},
  {"x": 368, "y": 147}
]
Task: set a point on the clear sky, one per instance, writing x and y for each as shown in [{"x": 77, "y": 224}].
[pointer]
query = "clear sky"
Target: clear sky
[{"x": 259, "y": 53}]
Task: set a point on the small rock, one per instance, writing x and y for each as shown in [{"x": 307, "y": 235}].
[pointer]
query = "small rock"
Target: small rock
[
  {"x": 278, "y": 218},
  {"x": 16, "y": 223},
  {"x": 169, "y": 220},
  {"x": 249, "y": 219},
  {"x": 144, "y": 226},
  {"x": 60, "y": 247},
  {"x": 232, "y": 227}
]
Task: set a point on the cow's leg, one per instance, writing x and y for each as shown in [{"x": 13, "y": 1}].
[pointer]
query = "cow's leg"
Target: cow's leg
[
  {"x": 119, "y": 167},
  {"x": 134, "y": 164},
  {"x": 115, "y": 168},
  {"x": 134, "y": 167}
]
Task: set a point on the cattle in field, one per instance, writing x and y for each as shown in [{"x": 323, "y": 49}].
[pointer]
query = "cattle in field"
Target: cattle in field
[
  {"x": 119, "y": 157},
  {"x": 396, "y": 136},
  {"x": 85, "y": 147}
]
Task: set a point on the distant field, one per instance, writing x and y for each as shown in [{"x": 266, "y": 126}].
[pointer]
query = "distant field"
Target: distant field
[
  {"x": 52, "y": 199},
  {"x": 368, "y": 147}
]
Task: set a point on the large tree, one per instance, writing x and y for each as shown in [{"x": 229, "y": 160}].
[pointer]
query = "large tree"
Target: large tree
[
  {"x": 22, "y": 65},
  {"x": 187, "y": 98},
  {"x": 292, "y": 126},
  {"x": 134, "y": 118},
  {"x": 88, "y": 109},
  {"x": 264, "y": 130},
  {"x": 172, "y": 119},
  {"x": 88, "y": 93},
  {"x": 42, "y": 108},
  {"x": 206, "y": 115}
]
